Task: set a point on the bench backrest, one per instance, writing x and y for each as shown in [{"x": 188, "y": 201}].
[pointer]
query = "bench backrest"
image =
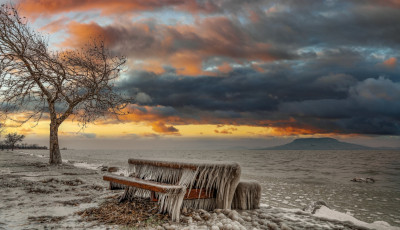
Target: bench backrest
[{"x": 173, "y": 165}]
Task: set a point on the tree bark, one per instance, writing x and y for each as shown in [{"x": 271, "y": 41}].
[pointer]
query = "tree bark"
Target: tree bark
[{"x": 55, "y": 154}]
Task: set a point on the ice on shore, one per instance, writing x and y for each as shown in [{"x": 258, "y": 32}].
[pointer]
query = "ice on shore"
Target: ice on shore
[
  {"x": 274, "y": 218},
  {"x": 326, "y": 213}
]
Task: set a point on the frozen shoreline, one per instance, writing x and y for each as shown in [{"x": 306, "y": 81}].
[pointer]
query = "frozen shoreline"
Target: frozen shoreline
[{"x": 36, "y": 195}]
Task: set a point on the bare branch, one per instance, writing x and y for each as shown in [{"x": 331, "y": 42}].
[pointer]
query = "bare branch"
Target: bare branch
[{"x": 35, "y": 80}]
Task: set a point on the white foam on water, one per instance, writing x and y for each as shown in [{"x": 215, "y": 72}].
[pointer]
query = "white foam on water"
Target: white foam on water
[{"x": 325, "y": 212}]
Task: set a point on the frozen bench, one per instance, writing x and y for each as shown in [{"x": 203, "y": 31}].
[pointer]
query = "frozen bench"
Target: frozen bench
[
  {"x": 176, "y": 184},
  {"x": 203, "y": 177},
  {"x": 192, "y": 184}
]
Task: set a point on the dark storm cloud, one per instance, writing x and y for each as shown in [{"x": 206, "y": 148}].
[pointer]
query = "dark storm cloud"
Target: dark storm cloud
[
  {"x": 340, "y": 103},
  {"x": 328, "y": 23}
]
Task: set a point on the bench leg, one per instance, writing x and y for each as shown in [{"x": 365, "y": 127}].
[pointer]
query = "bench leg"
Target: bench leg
[
  {"x": 153, "y": 197},
  {"x": 124, "y": 196}
]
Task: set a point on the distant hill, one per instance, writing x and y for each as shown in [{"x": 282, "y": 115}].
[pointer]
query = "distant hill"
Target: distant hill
[{"x": 318, "y": 144}]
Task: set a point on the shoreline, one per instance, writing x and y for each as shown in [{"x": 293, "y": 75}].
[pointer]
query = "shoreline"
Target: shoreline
[{"x": 37, "y": 195}]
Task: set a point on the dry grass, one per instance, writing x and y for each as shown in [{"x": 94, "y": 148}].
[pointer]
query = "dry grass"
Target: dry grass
[{"x": 138, "y": 213}]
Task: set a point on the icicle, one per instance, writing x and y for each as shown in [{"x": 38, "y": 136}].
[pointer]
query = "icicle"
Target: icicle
[
  {"x": 172, "y": 202},
  {"x": 247, "y": 195},
  {"x": 116, "y": 186},
  {"x": 154, "y": 173},
  {"x": 132, "y": 192},
  {"x": 206, "y": 204}
]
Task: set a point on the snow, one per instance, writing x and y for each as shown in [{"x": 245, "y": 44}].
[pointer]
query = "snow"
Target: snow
[{"x": 325, "y": 212}]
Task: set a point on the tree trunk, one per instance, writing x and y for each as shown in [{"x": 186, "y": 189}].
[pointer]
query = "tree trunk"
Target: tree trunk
[{"x": 55, "y": 154}]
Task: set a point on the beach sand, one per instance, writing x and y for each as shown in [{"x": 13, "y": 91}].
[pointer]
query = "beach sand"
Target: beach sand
[{"x": 35, "y": 195}]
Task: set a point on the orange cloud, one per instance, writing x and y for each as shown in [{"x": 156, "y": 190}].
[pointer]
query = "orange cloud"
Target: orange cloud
[
  {"x": 82, "y": 33},
  {"x": 289, "y": 131},
  {"x": 160, "y": 127},
  {"x": 153, "y": 116},
  {"x": 184, "y": 47},
  {"x": 154, "y": 66},
  {"x": 49, "y": 7},
  {"x": 187, "y": 63},
  {"x": 390, "y": 63},
  {"x": 226, "y": 131}
]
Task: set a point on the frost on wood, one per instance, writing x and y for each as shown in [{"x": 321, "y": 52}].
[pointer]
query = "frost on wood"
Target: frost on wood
[
  {"x": 247, "y": 195},
  {"x": 221, "y": 177},
  {"x": 116, "y": 186}
]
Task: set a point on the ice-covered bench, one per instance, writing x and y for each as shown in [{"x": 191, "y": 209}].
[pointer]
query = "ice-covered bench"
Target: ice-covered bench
[
  {"x": 218, "y": 178},
  {"x": 206, "y": 184},
  {"x": 202, "y": 185}
]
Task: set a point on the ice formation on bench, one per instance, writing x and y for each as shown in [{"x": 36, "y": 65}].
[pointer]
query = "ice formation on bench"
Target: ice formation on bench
[
  {"x": 247, "y": 195},
  {"x": 170, "y": 202},
  {"x": 116, "y": 186},
  {"x": 206, "y": 204},
  {"x": 221, "y": 178}
]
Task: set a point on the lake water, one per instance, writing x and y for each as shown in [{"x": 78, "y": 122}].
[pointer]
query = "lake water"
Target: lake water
[{"x": 293, "y": 179}]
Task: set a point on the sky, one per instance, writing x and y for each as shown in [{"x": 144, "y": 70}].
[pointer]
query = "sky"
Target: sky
[{"x": 229, "y": 73}]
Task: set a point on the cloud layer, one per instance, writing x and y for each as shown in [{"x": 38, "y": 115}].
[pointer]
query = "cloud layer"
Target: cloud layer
[{"x": 300, "y": 66}]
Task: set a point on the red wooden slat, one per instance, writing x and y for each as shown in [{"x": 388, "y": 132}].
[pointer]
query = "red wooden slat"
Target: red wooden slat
[{"x": 143, "y": 184}]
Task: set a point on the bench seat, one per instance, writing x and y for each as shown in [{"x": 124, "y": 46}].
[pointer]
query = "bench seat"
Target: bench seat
[
  {"x": 120, "y": 182},
  {"x": 143, "y": 184}
]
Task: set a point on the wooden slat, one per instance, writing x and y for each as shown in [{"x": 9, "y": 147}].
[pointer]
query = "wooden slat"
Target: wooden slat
[
  {"x": 143, "y": 184},
  {"x": 162, "y": 164},
  {"x": 194, "y": 194}
]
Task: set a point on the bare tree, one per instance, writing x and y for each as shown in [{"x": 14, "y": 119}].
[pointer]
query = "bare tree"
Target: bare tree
[
  {"x": 12, "y": 139},
  {"x": 1, "y": 132},
  {"x": 73, "y": 83}
]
